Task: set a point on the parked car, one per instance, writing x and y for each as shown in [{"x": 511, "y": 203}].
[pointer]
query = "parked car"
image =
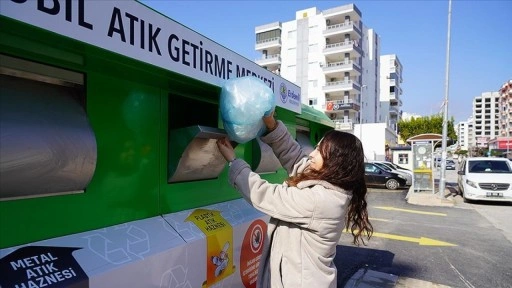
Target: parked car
[
  {"x": 485, "y": 178},
  {"x": 398, "y": 167},
  {"x": 384, "y": 165},
  {"x": 450, "y": 164},
  {"x": 376, "y": 176}
]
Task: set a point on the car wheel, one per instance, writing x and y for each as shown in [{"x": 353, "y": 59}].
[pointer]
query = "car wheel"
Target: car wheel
[
  {"x": 392, "y": 184},
  {"x": 466, "y": 200}
]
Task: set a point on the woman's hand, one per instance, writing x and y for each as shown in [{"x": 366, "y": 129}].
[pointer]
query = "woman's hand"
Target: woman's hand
[
  {"x": 270, "y": 121},
  {"x": 226, "y": 149}
]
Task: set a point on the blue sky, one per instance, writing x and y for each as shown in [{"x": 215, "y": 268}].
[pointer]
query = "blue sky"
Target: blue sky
[{"x": 416, "y": 31}]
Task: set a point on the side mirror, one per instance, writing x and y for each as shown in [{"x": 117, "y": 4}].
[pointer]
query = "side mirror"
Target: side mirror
[{"x": 461, "y": 172}]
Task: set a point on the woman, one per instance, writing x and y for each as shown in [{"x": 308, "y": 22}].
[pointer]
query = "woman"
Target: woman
[{"x": 324, "y": 193}]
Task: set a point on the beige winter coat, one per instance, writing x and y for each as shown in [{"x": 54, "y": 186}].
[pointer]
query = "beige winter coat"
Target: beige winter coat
[{"x": 306, "y": 221}]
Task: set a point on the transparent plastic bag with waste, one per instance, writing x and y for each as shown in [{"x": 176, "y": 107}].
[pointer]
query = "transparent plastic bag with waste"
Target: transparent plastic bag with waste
[{"x": 243, "y": 103}]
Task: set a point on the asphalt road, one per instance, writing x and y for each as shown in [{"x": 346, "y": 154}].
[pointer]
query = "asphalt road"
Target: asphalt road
[{"x": 466, "y": 246}]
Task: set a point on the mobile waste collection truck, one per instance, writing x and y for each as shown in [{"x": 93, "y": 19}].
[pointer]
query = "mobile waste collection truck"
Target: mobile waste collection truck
[{"x": 109, "y": 171}]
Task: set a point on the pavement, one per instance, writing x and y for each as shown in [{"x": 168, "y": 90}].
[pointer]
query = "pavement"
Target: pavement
[{"x": 366, "y": 278}]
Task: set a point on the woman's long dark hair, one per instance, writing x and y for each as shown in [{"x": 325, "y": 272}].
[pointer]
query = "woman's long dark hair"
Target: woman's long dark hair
[{"x": 344, "y": 167}]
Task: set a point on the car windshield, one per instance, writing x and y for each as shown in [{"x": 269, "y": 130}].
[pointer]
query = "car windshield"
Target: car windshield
[
  {"x": 382, "y": 166},
  {"x": 488, "y": 166},
  {"x": 393, "y": 165}
]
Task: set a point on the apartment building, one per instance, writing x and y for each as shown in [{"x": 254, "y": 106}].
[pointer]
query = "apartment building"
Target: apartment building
[
  {"x": 390, "y": 91},
  {"x": 461, "y": 129},
  {"x": 505, "y": 105},
  {"x": 332, "y": 56},
  {"x": 505, "y": 119},
  {"x": 471, "y": 133},
  {"x": 486, "y": 113}
]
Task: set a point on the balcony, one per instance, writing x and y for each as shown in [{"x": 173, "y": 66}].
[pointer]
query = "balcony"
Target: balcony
[
  {"x": 268, "y": 27},
  {"x": 394, "y": 110},
  {"x": 349, "y": 27},
  {"x": 269, "y": 60},
  {"x": 340, "y": 86},
  {"x": 341, "y": 105},
  {"x": 343, "y": 47},
  {"x": 343, "y": 66},
  {"x": 268, "y": 43},
  {"x": 343, "y": 125}
]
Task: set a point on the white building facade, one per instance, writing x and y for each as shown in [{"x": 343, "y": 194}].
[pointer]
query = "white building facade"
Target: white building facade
[
  {"x": 335, "y": 59},
  {"x": 332, "y": 56},
  {"x": 486, "y": 113},
  {"x": 461, "y": 129},
  {"x": 390, "y": 91}
]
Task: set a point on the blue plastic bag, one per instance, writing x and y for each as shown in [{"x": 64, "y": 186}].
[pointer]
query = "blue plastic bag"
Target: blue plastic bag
[{"x": 243, "y": 102}]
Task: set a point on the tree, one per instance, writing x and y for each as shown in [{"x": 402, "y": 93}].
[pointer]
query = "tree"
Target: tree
[{"x": 427, "y": 124}]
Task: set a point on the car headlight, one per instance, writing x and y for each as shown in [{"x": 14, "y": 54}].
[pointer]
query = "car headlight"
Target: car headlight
[
  {"x": 471, "y": 183},
  {"x": 401, "y": 176}
]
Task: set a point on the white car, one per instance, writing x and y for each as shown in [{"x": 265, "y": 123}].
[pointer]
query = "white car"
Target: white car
[{"x": 485, "y": 178}]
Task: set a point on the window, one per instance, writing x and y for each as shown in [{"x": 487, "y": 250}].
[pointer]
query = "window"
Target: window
[
  {"x": 268, "y": 35},
  {"x": 403, "y": 158}
]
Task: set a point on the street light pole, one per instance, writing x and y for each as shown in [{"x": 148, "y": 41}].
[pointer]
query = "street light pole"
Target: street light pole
[
  {"x": 361, "y": 114},
  {"x": 442, "y": 179}
]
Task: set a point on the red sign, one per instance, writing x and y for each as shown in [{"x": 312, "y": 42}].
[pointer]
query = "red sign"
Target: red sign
[
  {"x": 502, "y": 144},
  {"x": 250, "y": 255}
]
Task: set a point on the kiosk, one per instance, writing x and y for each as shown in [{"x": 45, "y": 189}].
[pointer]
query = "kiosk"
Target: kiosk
[
  {"x": 423, "y": 161},
  {"x": 109, "y": 174}
]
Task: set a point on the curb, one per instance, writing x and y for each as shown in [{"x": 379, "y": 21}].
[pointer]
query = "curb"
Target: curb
[
  {"x": 427, "y": 198},
  {"x": 366, "y": 278},
  {"x": 404, "y": 282}
]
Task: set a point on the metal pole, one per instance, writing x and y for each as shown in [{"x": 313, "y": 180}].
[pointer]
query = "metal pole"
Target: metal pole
[
  {"x": 442, "y": 179},
  {"x": 361, "y": 116}
]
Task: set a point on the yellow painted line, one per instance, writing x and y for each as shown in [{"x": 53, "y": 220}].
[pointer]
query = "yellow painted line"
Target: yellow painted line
[
  {"x": 422, "y": 241},
  {"x": 379, "y": 219},
  {"x": 411, "y": 211}
]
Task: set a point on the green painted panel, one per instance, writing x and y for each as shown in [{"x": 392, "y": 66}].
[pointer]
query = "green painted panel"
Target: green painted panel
[
  {"x": 316, "y": 116},
  {"x": 131, "y": 106},
  {"x": 125, "y": 183}
]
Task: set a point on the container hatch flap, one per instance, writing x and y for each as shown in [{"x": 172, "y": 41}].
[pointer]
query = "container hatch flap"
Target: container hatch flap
[
  {"x": 193, "y": 154},
  {"x": 264, "y": 159}
]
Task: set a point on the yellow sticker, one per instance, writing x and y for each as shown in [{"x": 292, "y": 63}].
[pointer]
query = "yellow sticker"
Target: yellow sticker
[{"x": 219, "y": 244}]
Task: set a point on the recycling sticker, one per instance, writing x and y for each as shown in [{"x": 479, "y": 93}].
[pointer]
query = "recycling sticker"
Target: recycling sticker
[
  {"x": 219, "y": 244},
  {"x": 42, "y": 266}
]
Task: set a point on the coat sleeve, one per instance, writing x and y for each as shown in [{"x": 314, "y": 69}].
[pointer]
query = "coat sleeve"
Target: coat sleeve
[
  {"x": 287, "y": 150},
  {"x": 290, "y": 204}
]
